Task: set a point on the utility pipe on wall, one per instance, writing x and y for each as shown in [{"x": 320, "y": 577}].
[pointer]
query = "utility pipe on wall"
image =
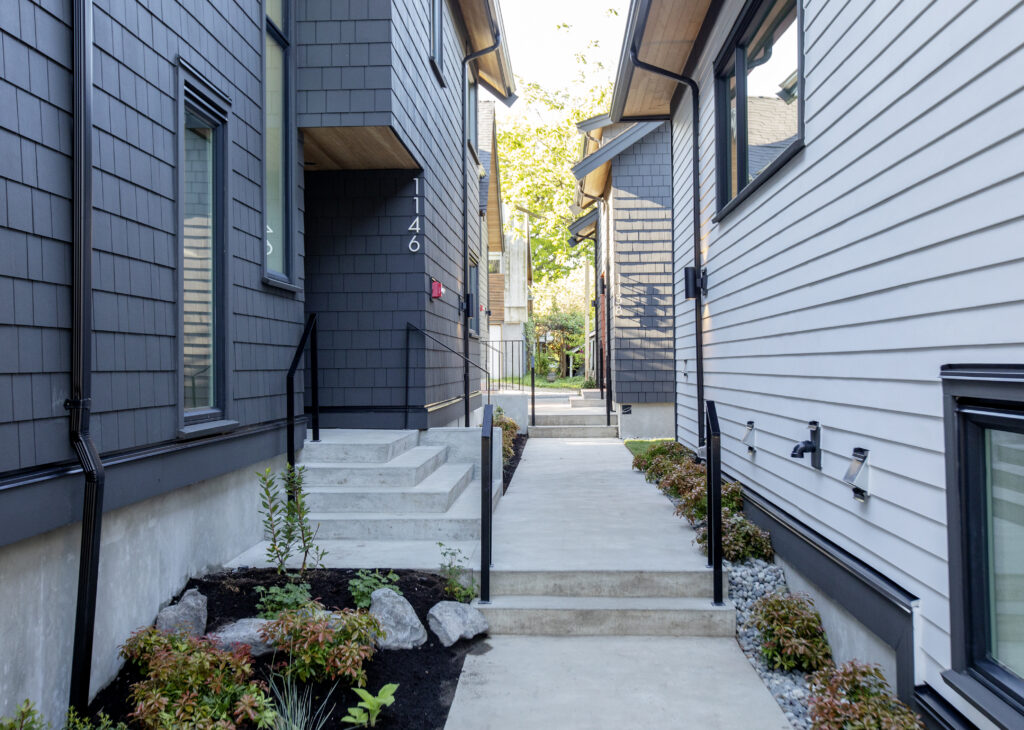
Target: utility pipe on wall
[{"x": 79, "y": 403}]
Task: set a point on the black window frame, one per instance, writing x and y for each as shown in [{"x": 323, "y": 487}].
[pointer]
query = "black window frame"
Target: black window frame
[
  {"x": 733, "y": 53},
  {"x": 286, "y": 280},
  {"x": 436, "y": 51},
  {"x": 473, "y": 297},
  {"x": 976, "y": 397},
  {"x": 200, "y": 98}
]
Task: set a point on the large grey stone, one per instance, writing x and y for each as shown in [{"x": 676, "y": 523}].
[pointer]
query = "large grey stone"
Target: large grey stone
[
  {"x": 452, "y": 621},
  {"x": 186, "y": 616},
  {"x": 399, "y": 622},
  {"x": 246, "y": 632}
]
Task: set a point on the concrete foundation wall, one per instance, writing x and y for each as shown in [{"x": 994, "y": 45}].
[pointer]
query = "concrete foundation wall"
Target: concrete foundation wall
[
  {"x": 647, "y": 421},
  {"x": 149, "y": 551},
  {"x": 516, "y": 407},
  {"x": 849, "y": 638}
]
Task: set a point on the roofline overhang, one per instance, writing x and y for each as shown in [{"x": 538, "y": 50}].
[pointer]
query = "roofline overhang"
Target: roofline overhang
[
  {"x": 492, "y": 8},
  {"x": 580, "y": 229},
  {"x": 613, "y": 148},
  {"x": 598, "y": 122}
]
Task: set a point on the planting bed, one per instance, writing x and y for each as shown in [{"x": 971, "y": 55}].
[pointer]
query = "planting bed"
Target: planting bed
[
  {"x": 518, "y": 444},
  {"x": 427, "y": 675}
]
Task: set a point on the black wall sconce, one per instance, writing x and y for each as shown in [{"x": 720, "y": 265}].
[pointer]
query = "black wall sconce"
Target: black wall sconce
[
  {"x": 692, "y": 281},
  {"x": 748, "y": 438},
  {"x": 811, "y": 446},
  {"x": 857, "y": 474}
]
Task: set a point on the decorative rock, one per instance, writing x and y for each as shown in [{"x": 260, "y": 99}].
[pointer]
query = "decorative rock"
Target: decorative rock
[
  {"x": 402, "y": 628},
  {"x": 187, "y": 616},
  {"x": 246, "y": 632},
  {"x": 452, "y": 621}
]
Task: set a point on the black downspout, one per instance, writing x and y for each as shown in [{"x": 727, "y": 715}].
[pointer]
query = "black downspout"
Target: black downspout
[
  {"x": 79, "y": 404},
  {"x": 467, "y": 298},
  {"x": 698, "y": 302}
]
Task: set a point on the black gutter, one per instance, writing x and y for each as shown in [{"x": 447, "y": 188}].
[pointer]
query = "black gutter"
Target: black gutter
[
  {"x": 698, "y": 302},
  {"x": 467, "y": 297},
  {"x": 79, "y": 404}
]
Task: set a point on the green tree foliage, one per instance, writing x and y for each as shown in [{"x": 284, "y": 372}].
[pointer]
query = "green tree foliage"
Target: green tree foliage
[{"x": 566, "y": 333}]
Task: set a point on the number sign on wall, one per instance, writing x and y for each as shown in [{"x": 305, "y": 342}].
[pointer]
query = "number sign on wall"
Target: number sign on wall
[{"x": 416, "y": 227}]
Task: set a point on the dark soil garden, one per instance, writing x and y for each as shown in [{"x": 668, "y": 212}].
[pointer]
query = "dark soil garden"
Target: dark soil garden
[
  {"x": 427, "y": 675},
  {"x": 518, "y": 444}
]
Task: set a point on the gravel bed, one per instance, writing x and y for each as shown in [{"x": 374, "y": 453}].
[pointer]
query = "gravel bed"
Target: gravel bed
[{"x": 749, "y": 581}]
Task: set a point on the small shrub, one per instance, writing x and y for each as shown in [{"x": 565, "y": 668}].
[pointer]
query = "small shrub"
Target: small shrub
[
  {"x": 322, "y": 645},
  {"x": 457, "y": 585},
  {"x": 191, "y": 683},
  {"x": 367, "y": 581},
  {"x": 286, "y": 520},
  {"x": 26, "y": 718},
  {"x": 288, "y": 597},
  {"x": 693, "y": 503},
  {"x": 365, "y": 713},
  {"x": 295, "y": 707},
  {"x": 102, "y": 722},
  {"x": 683, "y": 479},
  {"x": 854, "y": 696},
  {"x": 660, "y": 467},
  {"x": 509, "y": 429},
  {"x": 589, "y": 384},
  {"x": 672, "y": 449},
  {"x": 741, "y": 539},
  {"x": 792, "y": 636}
]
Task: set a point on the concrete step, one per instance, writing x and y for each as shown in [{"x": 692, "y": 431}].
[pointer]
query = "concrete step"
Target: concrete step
[
  {"x": 575, "y": 419},
  {"x": 358, "y": 445},
  {"x": 591, "y": 394},
  {"x": 559, "y": 432},
  {"x": 602, "y": 583},
  {"x": 599, "y": 616},
  {"x": 436, "y": 494},
  {"x": 398, "y": 554},
  {"x": 575, "y": 402},
  {"x": 460, "y": 522},
  {"x": 405, "y": 470}
]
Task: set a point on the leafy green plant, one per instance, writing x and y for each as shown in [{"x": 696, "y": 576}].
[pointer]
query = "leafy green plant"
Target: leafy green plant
[
  {"x": 792, "y": 636},
  {"x": 741, "y": 539},
  {"x": 855, "y": 696},
  {"x": 295, "y": 706},
  {"x": 509, "y": 429},
  {"x": 285, "y": 516},
  {"x": 674, "y": 450},
  {"x": 683, "y": 479},
  {"x": 365, "y": 714},
  {"x": 458, "y": 581},
  {"x": 323, "y": 645},
  {"x": 367, "y": 581},
  {"x": 26, "y": 718},
  {"x": 102, "y": 722},
  {"x": 191, "y": 683},
  {"x": 288, "y": 597},
  {"x": 693, "y": 502}
]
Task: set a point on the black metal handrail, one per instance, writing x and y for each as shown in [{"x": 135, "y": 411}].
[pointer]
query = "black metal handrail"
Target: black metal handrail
[
  {"x": 409, "y": 327},
  {"x": 308, "y": 334},
  {"x": 533, "y": 392},
  {"x": 508, "y": 357},
  {"x": 486, "y": 506},
  {"x": 714, "y": 496}
]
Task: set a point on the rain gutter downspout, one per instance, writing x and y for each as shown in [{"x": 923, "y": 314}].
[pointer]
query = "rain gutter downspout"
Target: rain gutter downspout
[
  {"x": 79, "y": 404},
  {"x": 698, "y": 302},
  {"x": 467, "y": 298}
]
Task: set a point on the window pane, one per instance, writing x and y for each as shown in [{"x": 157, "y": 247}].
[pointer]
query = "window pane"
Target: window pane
[
  {"x": 276, "y": 159},
  {"x": 772, "y": 104},
  {"x": 1005, "y": 459},
  {"x": 730, "y": 146},
  {"x": 200, "y": 229},
  {"x": 275, "y": 11}
]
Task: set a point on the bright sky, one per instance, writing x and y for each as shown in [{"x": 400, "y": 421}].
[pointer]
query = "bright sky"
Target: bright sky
[{"x": 544, "y": 53}]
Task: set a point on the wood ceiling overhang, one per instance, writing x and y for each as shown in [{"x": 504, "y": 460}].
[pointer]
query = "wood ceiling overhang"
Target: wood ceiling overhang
[
  {"x": 664, "y": 33},
  {"x": 482, "y": 19}
]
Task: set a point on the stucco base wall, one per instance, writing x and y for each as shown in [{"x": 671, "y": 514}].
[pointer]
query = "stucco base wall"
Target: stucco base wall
[
  {"x": 149, "y": 551},
  {"x": 647, "y": 421},
  {"x": 849, "y": 638}
]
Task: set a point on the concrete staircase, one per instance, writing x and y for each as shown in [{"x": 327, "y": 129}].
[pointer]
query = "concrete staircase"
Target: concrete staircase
[
  {"x": 574, "y": 423},
  {"x": 606, "y": 603},
  {"x": 370, "y": 485}
]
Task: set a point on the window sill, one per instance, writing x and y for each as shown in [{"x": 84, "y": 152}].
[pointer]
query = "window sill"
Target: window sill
[
  {"x": 205, "y": 428},
  {"x": 777, "y": 164},
  {"x": 998, "y": 708},
  {"x": 287, "y": 286}
]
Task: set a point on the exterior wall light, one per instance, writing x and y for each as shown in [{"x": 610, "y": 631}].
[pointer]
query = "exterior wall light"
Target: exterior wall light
[
  {"x": 748, "y": 438},
  {"x": 812, "y": 446},
  {"x": 857, "y": 474},
  {"x": 692, "y": 281}
]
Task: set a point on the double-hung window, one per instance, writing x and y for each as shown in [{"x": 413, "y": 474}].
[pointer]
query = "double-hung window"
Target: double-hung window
[
  {"x": 277, "y": 143},
  {"x": 984, "y": 412},
  {"x": 759, "y": 98}
]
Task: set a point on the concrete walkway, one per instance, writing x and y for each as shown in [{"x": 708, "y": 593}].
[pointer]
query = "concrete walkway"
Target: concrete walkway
[{"x": 579, "y": 522}]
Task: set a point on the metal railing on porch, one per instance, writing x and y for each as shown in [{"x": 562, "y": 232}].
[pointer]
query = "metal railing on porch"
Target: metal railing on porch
[
  {"x": 309, "y": 334},
  {"x": 714, "y": 496},
  {"x": 486, "y": 506},
  {"x": 506, "y": 363},
  {"x": 409, "y": 327}
]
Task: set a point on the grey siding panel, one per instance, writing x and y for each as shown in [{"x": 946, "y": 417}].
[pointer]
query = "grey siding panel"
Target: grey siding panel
[
  {"x": 642, "y": 347},
  {"x": 887, "y": 248}
]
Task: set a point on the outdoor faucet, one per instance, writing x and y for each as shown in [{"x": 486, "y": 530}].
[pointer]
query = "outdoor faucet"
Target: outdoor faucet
[{"x": 811, "y": 446}]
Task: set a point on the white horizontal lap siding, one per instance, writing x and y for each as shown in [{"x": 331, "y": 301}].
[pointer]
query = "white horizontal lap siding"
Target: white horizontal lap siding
[{"x": 888, "y": 247}]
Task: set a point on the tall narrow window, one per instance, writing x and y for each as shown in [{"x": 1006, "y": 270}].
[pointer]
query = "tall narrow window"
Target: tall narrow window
[
  {"x": 437, "y": 38},
  {"x": 277, "y": 150},
  {"x": 474, "y": 298},
  {"x": 759, "y": 107},
  {"x": 472, "y": 96},
  {"x": 202, "y": 235}
]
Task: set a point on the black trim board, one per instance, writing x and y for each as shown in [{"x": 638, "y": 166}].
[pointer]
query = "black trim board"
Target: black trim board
[
  {"x": 936, "y": 712},
  {"x": 37, "y": 501},
  {"x": 881, "y": 605}
]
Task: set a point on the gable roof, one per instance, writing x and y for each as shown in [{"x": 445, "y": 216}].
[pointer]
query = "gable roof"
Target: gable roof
[
  {"x": 583, "y": 227},
  {"x": 593, "y": 170}
]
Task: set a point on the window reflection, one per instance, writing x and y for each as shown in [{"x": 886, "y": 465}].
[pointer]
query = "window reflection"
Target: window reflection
[{"x": 1004, "y": 453}]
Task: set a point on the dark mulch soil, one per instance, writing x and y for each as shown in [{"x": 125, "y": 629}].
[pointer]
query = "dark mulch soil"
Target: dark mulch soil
[
  {"x": 518, "y": 444},
  {"x": 427, "y": 675}
]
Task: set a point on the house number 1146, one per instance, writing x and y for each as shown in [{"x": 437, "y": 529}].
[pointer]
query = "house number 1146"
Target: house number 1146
[{"x": 415, "y": 227}]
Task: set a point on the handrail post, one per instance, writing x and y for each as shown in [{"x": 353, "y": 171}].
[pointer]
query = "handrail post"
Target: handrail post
[
  {"x": 290, "y": 416},
  {"x": 714, "y": 485},
  {"x": 314, "y": 367},
  {"x": 533, "y": 391},
  {"x": 486, "y": 507}
]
